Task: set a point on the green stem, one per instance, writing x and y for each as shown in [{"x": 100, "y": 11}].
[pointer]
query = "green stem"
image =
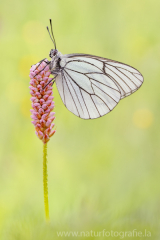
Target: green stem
[{"x": 45, "y": 181}]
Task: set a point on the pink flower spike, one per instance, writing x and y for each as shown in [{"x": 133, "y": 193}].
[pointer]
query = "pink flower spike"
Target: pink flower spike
[{"x": 42, "y": 101}]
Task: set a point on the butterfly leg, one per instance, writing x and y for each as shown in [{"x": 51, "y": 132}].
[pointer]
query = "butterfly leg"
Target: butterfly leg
[
  {"x": 50, "y": 82},
  {"x": 38, "y": 64},
  {"x": 47, "y": 63},
  {"x": 43, "y": 60}
]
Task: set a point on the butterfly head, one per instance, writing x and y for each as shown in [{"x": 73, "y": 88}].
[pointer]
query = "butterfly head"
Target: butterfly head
[{"x": 53, "y": 53}]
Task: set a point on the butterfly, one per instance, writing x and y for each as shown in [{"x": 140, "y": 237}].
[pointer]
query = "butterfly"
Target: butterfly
[{"x": 91, "y": 86}]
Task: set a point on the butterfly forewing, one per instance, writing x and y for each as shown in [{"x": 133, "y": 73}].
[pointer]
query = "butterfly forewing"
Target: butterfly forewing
[{"x": 126, "y": 77}]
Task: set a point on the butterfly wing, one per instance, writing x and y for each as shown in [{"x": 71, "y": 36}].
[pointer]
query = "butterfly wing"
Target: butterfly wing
[{"x": 91, "y": 87}]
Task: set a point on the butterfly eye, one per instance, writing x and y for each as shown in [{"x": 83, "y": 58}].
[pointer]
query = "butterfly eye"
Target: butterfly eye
[{"x": 53, "y": 52}]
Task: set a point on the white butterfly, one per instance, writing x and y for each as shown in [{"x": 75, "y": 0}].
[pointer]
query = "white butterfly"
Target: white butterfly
[{"x": 91, "y": 86}]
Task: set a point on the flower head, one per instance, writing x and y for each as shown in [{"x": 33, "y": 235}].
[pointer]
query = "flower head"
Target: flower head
[{"x": 42, "y": 101}]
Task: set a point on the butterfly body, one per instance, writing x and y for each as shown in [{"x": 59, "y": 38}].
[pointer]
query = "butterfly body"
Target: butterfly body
[{"x": 56, "y": 58}]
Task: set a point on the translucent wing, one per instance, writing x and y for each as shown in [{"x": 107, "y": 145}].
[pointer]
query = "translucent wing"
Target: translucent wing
[{"x": 91, "y": 87}]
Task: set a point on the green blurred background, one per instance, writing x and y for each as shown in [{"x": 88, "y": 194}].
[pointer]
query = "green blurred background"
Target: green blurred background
[{"x": 103, "y": 173}]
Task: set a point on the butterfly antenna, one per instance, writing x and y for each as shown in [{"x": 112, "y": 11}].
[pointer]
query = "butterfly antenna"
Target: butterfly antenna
[
  {"x": 52, "y": 32},
  {"x": 50, "y": 36}
]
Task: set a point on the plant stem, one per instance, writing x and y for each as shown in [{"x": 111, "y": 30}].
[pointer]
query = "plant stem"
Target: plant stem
[{"x": 45, "y": 182}]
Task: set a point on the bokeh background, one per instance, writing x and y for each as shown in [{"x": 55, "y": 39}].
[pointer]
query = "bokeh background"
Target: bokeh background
[{"x": 103, "y": 173}]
